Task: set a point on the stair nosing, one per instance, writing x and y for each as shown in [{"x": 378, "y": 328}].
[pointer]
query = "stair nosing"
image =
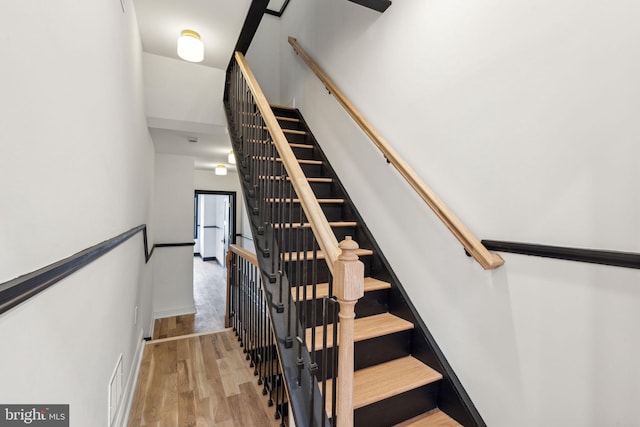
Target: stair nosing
[
  {"x": 320, "y": 255},
  {"x": 287, "y": 200},
  {"x": 287, "y": 119},
  {"x": 317, "y": 179},
  {"x": 332, "y": 224},
  {"x": 399, "y": 325},
  {"x": 322, "y": 289},
  {"x": 426, "y": 419}
]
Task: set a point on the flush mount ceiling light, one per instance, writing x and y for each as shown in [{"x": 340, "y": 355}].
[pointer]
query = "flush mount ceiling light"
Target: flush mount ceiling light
[
  {"x": 231, "y": 158},
  {"x": 221, "y": 170},
  {"x": 190, "y": 47}
]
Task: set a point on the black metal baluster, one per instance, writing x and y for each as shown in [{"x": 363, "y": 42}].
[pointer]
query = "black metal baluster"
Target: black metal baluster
[
  {"x": 334, "y": 383},
  {"x": 324, "y": 355}
]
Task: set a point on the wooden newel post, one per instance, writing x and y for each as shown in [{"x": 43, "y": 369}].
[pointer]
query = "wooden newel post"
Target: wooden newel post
[{"x": 348, "y": 287}]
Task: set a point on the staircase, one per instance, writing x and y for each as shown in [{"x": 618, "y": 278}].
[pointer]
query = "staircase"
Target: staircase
[{"x": 401, "y": 377}]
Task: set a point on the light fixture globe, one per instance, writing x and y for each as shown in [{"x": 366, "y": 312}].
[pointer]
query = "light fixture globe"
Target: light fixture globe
[
  {"x": 231, "y": 158},
  {"x": 190, "y": 47},
  {"x": 221, "y": 170}
]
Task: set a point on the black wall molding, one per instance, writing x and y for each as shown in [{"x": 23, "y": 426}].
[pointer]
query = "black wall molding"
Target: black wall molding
[
  {"x": 22, "y": 288},
  {"x": 211, "y": 226},
  {"x": 593, "y": 256},
  {"x": 244, "y": 236}
]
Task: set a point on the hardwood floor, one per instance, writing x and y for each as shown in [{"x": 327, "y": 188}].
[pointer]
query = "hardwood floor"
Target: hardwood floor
[
  {"x": 209, "y": 294},
  {"x": 198, "y": 381}
]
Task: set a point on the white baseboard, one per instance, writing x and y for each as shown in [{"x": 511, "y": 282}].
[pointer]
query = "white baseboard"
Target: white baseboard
[
  {"x": 122, "y": 418},
  {"x": 178, "y": 311}
]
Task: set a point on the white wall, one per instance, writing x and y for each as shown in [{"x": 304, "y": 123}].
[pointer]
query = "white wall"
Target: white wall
[
  {"x": 262, "y": 53},
  {"x": 174, "y": 91},
  {"x": 76, "y": 169},
  {"x": 521, "y": 117},
  {"x": 173, "y": 219}
]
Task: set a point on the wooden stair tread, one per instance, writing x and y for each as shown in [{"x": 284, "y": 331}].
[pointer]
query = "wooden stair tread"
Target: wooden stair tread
[
  {"x": 322, "y": 289},
  {"x": 291, "y": 144},
  {"x": 278, "y": 159},
  {"x": 281, "y": 107},
  {"x": 307, "y": 225},
  {"x": 387, "y": 379},
  {"x": 309, "y": 179},
  {"x": 364, "y": 328},
  {"x": 287, "y": 119},
  {"x": 291, "y": 131},
  {"x": 434, "y": 418},
  {"x": 305, "y": 146},
  {"x": 287, "y": 200},
  {"x": 293, "y": 256}
]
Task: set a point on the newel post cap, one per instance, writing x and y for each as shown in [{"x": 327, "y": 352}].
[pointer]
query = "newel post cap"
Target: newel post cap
[{"x": 349, "y": 273}]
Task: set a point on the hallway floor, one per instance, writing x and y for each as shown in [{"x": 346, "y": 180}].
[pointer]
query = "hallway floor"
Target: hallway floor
[
  {"x": 201, "y": 380},
  {"x": 193, "y": 372},
  {"x": 209, "y": 294}
]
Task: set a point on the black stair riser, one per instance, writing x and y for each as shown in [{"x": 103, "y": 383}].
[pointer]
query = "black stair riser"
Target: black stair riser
[
  {"x": 323, "y": 190},
  {"x": 288, "y": 124},
  {"x": 398, "y": 408},
  {"x": 367, "y": 353},
  {"x": 322, "y": 270},
  {"x": 292, "y": 213},
  {"x": 292, "y": 239},
  {"x": 296, "y": 138},
  {"x": 374, "y": 302},
  {"x": 285, "y": 112},
  {"x": 303, "y": 153}
]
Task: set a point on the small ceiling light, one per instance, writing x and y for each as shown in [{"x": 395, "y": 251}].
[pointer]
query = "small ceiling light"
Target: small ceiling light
[
  {"x": 221, "y": 170},
  {"x": 232, "y": 158},
  {"x": 190, "y": 47}
]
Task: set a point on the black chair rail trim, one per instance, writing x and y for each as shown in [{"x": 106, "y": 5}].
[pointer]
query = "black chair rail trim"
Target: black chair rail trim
[
  {"x": 22, "y": 288},
  {"x": 593, "y": 256}
]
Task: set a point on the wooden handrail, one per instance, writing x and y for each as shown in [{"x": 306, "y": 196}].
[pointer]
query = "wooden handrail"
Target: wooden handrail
[
  {"x": 243, "y": 253},
  {"x": 319, "y": 224},
  {"x": 472, "y": 245}
]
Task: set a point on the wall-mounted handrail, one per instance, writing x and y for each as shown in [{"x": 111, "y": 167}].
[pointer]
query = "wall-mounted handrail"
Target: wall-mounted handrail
[
  {"x": 472, "y": 244},
  {"x": 20, "y": 289},
  {"x": 319, "y": 224}
]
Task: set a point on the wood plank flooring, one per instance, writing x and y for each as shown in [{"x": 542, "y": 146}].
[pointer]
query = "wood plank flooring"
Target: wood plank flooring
[
  {"x": 198, "y": 381},
  {"x": 209, "y": 294}
]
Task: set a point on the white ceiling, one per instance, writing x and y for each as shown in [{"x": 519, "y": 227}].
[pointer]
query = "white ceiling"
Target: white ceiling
[{"x": 219, "y": 23}]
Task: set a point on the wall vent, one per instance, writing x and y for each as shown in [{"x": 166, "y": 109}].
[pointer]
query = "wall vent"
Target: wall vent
[{"x": 115, "y": 391}]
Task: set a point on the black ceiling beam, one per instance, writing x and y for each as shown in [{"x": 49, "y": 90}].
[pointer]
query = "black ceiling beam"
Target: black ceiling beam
[
  {"x": 249, "y": 28},
  {"x": 278, "y": 13},
  {"x": 379, "y": 5}
]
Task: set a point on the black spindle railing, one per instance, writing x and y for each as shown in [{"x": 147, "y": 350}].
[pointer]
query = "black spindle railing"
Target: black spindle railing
[{"x": 273, "y": 306}]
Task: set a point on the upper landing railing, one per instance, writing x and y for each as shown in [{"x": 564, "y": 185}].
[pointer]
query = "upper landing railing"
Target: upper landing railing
[{"x": 471, "y": 243}]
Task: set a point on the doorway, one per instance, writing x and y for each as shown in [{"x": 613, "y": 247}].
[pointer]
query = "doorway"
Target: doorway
[
  {"x": 214, "y": 229},
  {"x": 214, "y": 224}
]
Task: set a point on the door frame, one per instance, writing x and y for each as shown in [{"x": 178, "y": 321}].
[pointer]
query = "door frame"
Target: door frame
[{"x": 233, "y": 199}]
